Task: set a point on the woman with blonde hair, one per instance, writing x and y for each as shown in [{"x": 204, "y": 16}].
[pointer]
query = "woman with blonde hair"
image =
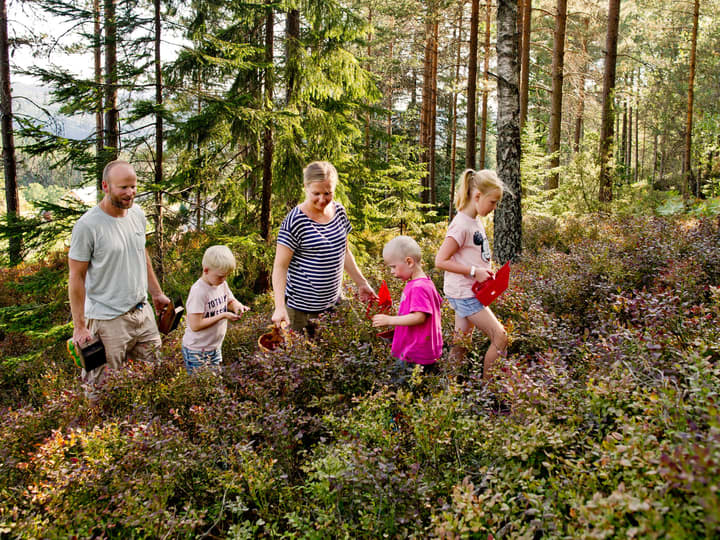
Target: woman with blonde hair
[{"x": 312, "y": 252}]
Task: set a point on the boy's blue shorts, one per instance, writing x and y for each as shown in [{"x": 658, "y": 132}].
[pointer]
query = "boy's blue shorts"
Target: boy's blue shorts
[
  {"x": 466, "y": 306},
  {"x": 198, "y": 359}
]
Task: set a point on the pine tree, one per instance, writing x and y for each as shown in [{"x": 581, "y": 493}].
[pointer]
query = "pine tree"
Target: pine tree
[
  {"x": 606, "y": 131},
  {"x": 8, "y": 141},
  {"x": 557, "y": 92}
]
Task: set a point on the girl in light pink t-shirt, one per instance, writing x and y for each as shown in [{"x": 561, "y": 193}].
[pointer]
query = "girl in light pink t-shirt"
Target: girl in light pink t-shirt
[{"x": 465, "y": 256}]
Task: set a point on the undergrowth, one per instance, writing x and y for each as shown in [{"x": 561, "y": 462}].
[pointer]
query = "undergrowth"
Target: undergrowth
[{"x": 611, "y": 379}]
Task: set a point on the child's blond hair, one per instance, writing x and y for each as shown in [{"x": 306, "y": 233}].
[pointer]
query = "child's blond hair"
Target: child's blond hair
[
  {"x": 219, "y": 258},
  {"x": 484, "y": 181},
  {"x": 403, "y": 246}
]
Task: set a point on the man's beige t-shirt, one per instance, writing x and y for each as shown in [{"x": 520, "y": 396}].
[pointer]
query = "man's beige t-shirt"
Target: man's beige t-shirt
[{"x": 116, "y": 278}]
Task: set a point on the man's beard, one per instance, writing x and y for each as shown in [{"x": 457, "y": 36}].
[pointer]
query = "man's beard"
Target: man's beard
[{"x": 117, "y": 202}]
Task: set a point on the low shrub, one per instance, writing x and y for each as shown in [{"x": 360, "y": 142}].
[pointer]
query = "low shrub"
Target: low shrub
[{"x": 600, "y": 422}]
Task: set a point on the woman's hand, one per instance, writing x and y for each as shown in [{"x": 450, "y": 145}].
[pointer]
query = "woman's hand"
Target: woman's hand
[
  {"x": 280, "y": 317},
  {"x": 366, "y": 292}
]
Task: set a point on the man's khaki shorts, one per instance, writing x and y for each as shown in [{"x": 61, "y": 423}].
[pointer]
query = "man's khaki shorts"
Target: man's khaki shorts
[{"x": 133, "y": 335}]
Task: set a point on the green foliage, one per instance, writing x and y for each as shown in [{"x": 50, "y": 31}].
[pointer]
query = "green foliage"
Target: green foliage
[
  {"x": 387, "y": 195},
  {"x": 577, "y": 192},
  {"x": 674, "y": 204},
  {"x": 45, "y": 232},
  {"x": 35, "y": 192}
]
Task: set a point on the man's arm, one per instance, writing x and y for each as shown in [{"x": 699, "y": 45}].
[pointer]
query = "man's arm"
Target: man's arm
[
  {"x": 76, "y": 294},
  {"x": 159, "y": 299}
]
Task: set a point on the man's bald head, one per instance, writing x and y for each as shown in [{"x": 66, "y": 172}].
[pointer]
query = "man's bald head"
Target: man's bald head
[{"x": 117, "y": 169}]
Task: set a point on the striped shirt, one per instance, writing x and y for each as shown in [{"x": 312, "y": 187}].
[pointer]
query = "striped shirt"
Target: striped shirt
[{"x": 315, "y": 272}]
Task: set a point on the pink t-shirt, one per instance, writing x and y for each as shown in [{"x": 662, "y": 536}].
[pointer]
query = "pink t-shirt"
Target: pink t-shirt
[
  {"x": 422, "y": 343},
  {"x": 208, "y": 300},
  {"x": 474, "y": 250}
]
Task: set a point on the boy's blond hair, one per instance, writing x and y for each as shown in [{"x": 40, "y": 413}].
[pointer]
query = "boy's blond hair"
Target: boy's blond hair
[
  {"x": 219, "y": 258},
  {"x": 403, "y": 246}
]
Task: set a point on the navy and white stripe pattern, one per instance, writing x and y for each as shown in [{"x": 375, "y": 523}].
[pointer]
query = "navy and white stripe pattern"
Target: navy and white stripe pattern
[{"x": 315, "y": 273}]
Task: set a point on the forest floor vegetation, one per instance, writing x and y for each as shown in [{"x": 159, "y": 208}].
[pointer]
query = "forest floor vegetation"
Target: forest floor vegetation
[{"x": 613, "y": 430}]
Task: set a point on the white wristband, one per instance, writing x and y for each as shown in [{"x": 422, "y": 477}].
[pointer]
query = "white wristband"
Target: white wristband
[{"x": 472, "y": 271}]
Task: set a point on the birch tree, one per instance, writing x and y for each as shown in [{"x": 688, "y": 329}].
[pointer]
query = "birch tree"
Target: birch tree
[{"x": 508, "y": 216}]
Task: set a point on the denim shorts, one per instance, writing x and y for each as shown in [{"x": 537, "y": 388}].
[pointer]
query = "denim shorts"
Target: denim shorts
[
  {"x": 466, "y": 306},
  {"x": 198, "y": 359}
]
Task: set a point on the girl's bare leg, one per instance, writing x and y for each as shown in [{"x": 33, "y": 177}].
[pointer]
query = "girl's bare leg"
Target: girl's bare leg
[
  {"x": 486, "y": 321},
  {"x": 463, "y": 327}
]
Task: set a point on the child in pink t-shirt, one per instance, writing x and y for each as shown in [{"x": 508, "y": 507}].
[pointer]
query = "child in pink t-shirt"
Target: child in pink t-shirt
[
  {"x": 418, "y": 336},
  {"x": 210, "y": 305},
  {"x": 465, "y": 257}
]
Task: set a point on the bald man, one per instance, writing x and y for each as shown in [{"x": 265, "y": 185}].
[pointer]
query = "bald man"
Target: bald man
[{"x": 110, "y": 275}]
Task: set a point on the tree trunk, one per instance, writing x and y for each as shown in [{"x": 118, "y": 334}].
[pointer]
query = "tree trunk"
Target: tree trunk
[
  {"x": 655, "y": 159},
  {"x": 486, "y": 75},
  {"x": 453, "y": 151},
  {"x": 470, "y": 141},
  {"x": 631, "y": 119},
  {"x": 425, "y": 107},
  {"x": 525, "y": 61},
  {"x": 641, "y": 167},
  {"x": 606, "y": 127},
  {"x": 581, "y": 90},
  {"x": 557, "y": 92},
  {"x": 427, "y": 118},
  {"x": 628, "y": 144},
  {"x": 687, "y": 172},
  {"x": 663, "y": 155},
  {"x": 112, "y": 134},
  {"x": 637, "y": 134},
  {"x": 12, "y": 200},
  {"x": 390, "y": 104},
  {"x": 262, "y": 282},
  {"x": 267, "y": 135},
  {"x": 622, "y": 152},
  {"x": 99, "y": 130},
  {"x": 508, "y": 216},
  {"x": 413, "y": 89},
  {"x": 199, "y": 175},
  {"x": 292, "y": 44},
  {"x": 369, "y": 55},
  {"x": 159, "y": 226},
  {"x": 433, "y": 115}
]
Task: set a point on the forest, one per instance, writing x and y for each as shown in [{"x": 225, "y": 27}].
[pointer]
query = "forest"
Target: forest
[{"x": 603, "y": 119}]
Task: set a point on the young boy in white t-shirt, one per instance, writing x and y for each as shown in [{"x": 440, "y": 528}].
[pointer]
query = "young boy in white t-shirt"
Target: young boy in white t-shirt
[{"x": 210, "y": 304}]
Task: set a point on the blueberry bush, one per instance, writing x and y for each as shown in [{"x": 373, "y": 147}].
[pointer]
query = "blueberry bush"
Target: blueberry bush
[{"x": 603, "y": 421}]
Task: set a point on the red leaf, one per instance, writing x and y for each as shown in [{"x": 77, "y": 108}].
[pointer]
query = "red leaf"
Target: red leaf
[{"x": 384, "y": 298}]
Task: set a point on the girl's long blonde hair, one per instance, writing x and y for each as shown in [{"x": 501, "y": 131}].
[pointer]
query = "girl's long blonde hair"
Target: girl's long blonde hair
[{"x": 484, "y": 181}]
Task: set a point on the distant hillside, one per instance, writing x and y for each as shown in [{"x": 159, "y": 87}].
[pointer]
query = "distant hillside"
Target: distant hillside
[{"x": 29, "y": 100}]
